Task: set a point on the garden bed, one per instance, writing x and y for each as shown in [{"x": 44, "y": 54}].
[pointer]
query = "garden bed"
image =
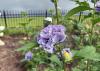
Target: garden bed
[{"x": 9, "y": 58}]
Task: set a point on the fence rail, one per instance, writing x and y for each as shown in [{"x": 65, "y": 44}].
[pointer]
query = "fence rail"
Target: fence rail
[
  {"x": 11, "y": 18},
  {"x": 15, "y": 18}
]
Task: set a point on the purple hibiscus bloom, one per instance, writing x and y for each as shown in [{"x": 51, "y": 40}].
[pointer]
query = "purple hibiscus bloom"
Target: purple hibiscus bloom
[
  {"x": 98, "y": 6},
  {"x": 58, "y": 37},
  {"x": 28, "y": 56},
  {"x": 51, "y": 35}
]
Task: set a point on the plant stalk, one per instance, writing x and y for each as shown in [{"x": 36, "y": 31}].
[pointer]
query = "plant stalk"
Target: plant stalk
[
  {"x": 92, "y": 26},
  {"x": 80, "y": 16},
  {"x": 87, "y": 68},
  {"x": 67, "y": 67},
  {"x": 56, "y": 6}
]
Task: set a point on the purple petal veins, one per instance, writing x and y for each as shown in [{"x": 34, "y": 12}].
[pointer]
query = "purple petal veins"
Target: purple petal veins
[
  {"x": 51, "y": 35},
  {"x": 98, "y": 6}
]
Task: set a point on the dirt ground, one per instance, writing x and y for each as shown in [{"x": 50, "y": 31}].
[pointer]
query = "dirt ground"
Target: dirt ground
[{"x": 9, "y": 58}]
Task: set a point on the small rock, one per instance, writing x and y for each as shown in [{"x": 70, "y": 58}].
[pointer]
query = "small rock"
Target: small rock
[
  {"x": 1, "y": 34},
  {"x": 2, "y": 43},
  {"x": 98, "y": 24},
  {"x": 2, "y": 28},
  {"x": 24, "y": 38}
]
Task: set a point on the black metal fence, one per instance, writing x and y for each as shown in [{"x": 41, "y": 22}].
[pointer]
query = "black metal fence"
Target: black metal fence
[
  {"x": 15, "y": 18},
  {"x": 11, "y": 18}
]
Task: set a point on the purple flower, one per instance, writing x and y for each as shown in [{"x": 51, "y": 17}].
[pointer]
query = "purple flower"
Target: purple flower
[
  {"x": 51, "y": 35},
  {"x": 58, "y": 37},
  {"x": 49, "y": 49},
  {"x": 98, "y": 9},
  {"x": 28, "y": 56},
  {"x": 98, "y": 6}
]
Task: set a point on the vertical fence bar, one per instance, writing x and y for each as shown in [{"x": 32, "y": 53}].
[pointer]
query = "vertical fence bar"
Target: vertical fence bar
[
  {"x": 46, "y": 13},
  {"x": 44, "y": 22},
  {"x": 10, "y": 14},
  {"x": 14, "y": 18},
  {"x": 5, "y": 18},
  {"x": 1, "y": 21}
]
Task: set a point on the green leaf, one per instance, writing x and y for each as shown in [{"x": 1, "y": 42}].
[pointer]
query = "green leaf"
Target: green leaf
[
  {"x": 88, "y": 52},
  {"x": 23, "y": 24},
  {"x": 83, "y": 3},
  {"x": 56, "y": 60},
  {"x": 94, "y": 1},
  {"x": 96, "y": 57},
  {"x": 30, "y": 20},
  {"x": 54, "y": 1},
  {"x": 96, "y": 20},
  {"x": 23, "y": 13},
  {"x": 74, "y": 20},
  {"x": 86, "y": 17},
  {"x": 34, "y": 69},
  {"x": 26, "y": 46},
  {"x": 77, "y": 10},
  {"x": 76, "y": 69}
]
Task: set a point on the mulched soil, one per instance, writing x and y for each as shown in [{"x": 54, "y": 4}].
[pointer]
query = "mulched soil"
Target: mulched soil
[{"x": 9, "y": 58}]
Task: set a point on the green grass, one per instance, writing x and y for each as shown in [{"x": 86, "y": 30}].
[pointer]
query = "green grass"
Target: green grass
[{"x": 16, "y": 22}]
